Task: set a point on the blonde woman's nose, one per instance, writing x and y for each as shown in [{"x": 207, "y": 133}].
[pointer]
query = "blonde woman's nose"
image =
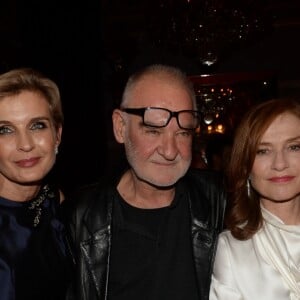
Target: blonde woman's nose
[{"x": 25, "y": 141}]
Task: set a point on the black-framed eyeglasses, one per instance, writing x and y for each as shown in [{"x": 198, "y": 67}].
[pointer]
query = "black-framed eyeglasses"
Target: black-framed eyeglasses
[{"x": 160, "y": 117}]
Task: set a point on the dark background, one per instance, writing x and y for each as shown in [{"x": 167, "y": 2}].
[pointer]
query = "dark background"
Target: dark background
[
  {"x": 63, "y": 40},
  {"x": 89, "y": 48}
]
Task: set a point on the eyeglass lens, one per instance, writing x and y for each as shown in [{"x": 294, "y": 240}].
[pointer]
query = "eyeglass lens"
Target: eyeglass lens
[{"x": 160, "y": 117}]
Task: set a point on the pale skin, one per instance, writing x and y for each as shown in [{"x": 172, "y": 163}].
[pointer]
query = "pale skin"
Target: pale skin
[
  {"x": 27, "y": 144},
  {"x": 158, "y": 156},
  {"x": 276, "y": 169}
]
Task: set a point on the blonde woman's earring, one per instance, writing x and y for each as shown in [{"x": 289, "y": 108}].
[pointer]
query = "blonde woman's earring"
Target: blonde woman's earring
[{"x": 56, "y": 150}]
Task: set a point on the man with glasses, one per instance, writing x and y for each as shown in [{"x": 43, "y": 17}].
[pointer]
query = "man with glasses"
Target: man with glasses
[{"x": 150, "y": 234}]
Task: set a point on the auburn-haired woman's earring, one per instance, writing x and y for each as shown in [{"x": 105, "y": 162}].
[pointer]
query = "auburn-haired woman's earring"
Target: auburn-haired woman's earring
[
  {"x": 56, "y": 150},
  {"x": 248, "y": 187}
]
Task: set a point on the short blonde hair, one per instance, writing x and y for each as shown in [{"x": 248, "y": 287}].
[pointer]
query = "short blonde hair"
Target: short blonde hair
[{"x": 25, "y": 79}]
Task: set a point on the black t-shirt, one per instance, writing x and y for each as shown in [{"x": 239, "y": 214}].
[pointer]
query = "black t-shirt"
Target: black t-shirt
[{"x": 151, "y": 256}]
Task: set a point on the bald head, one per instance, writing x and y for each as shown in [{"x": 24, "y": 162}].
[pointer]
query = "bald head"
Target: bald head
[{"x": 162, "y": 73}]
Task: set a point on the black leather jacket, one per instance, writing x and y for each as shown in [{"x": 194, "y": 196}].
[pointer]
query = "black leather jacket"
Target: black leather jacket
[{"x": 91, "y": 232}]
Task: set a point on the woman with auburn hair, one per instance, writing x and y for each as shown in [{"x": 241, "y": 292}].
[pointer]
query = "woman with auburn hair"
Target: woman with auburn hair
[{"x": 258, "y": 255}]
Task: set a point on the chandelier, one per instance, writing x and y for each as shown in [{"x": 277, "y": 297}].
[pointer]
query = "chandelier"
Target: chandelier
[{"x": 208, "y": 30}]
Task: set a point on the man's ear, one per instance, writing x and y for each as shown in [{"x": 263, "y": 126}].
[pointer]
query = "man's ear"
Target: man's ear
[{"x": 118, "y": 125}]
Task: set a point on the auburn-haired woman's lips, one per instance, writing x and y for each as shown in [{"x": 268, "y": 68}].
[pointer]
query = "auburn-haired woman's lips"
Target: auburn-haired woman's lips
[{"x": 281, "y": 179}]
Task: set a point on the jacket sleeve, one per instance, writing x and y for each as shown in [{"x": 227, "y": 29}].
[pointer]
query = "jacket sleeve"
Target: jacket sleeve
[
  {"x": 207, "y": 197},
  {"x": 74, "y": 208},
  {"x": 89, "y": 231}
]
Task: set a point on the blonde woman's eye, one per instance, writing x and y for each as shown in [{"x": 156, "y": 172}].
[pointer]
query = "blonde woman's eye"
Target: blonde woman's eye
[
  {"x": 295, "y": 147},
  {"x": 38, "y": 125},
  {"x": 5, "y": 130}
]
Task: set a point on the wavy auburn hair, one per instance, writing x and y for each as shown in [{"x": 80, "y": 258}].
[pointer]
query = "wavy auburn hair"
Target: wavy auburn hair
[{"x": 243, "y": 217}]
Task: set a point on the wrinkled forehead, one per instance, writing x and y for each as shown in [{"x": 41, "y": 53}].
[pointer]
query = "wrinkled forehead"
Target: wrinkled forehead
[{"x": 160, "y": 90}]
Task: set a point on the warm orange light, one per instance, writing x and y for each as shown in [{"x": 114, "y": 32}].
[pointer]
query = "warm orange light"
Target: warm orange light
[{"x": 220, "y": 128}]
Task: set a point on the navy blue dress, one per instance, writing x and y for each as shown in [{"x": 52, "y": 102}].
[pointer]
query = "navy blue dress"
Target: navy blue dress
[{"x": 33, "y": 258}]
